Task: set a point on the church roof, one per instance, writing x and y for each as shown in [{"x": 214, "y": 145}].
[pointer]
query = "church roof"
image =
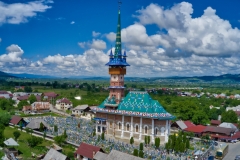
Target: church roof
[{"x": 137, "y": 104}]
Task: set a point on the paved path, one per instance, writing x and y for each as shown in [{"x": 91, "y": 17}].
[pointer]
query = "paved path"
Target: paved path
[
  {"x": 234, "y": 149},
  {"x": 58, "y": 112}
]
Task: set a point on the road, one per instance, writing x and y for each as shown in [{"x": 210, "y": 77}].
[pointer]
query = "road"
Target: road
[
  {"x": 234, "y": 149},
  {"x": 58, "y": 112}
]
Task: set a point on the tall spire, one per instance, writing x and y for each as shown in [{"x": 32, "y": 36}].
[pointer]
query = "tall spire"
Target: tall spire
[{"x": 118, "y": 45}]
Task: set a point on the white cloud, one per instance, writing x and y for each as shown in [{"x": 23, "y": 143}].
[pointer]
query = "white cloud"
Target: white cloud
[
  {"x": 16, "y": 13},
  {"x": 14, "y": 53},
  {"x": 72, "y": 22},
  {"x": 98, "y": 44},
  {"x": 111, "y": 36},
  {"x": 95, "y": 34},
  {"x": 207, "y": 35}
]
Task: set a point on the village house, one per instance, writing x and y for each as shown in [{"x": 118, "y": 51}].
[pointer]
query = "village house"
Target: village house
[
  {"x": 63, "y": 104},
  {"x": 50, "y": 96},
  {"x": 41, "y": 107},
  {"x": 17, "y": 120},
  {"x": 52, "y": 154},
  {"x": 86, "y": 151},
  {"x": 6, "y": 94},
  {"x": 82, "y": 110}
]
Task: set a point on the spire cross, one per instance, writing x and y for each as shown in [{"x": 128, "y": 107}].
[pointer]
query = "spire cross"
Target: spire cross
[{"x": 119, "y": 4}]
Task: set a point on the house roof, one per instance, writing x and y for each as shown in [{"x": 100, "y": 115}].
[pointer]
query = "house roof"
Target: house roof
[
  {"x": 189, "y": 124},
  {"x": 196, "y": 129},
  {"x": 15, "y": 119},
  {"x": 35, "y": 123},
  {"x": 25, "y": 97},
  {"x": 41, "y": 105},
  {"x": 50, "y": 94},
  {"x": 52, "y": 154},
  {"x": 27, "y": 108},
  {"x": 64, "y": 100},
  {"x": 11, "y": 142},
  {"x": 221, "y": 130},
  {"x": 181, "y": 124},
  {"x": 100, "y": 156},
  {"x": 215, "y": 122},
  {"x": 228, "y": 125},
  {"x": 117, "y": 155},
  {"x": 136, "y": 103},
  {"x": 87, "y": 150},
  {"x": 238, "y": 113},
  {"x": 81, "y": 107}
]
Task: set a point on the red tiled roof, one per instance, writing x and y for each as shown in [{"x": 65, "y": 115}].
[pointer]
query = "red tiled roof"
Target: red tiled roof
[
  {"x": 196, "y": 129},
  {"x": 189, "y": 124},
  {"x": 27, "y": 108},
  {"x": 15, "y": 119},
  {"x": 39, "y": 98},
  {"x": 219, "y": 130},
  {"x": 65, "y": 100},
  {"x": 50, "y": 94},
  {"x": 238, "y": 113},
  {"x": 87, "y": 150},
  {"x": 4, "y": 92},
  {"x": 216, "y": 122},
  {"x": 25, "y": 97}
]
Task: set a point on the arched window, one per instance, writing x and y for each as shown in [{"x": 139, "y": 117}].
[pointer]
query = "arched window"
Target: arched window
[
  {"x": 119, "y": 125},
  {"x": 162, "y": 131},
  {"x": 136, "y": 127},
  {"x": 156, "y": 131},
  {"x": 128, "y": 127},
  {"x": 146, "y": 130}
]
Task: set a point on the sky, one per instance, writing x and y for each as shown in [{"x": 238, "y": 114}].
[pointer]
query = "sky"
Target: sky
[{"x": 161, "y": 38}]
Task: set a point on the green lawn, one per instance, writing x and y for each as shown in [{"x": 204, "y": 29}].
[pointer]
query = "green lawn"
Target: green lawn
[{"x": 26, "y": 150}]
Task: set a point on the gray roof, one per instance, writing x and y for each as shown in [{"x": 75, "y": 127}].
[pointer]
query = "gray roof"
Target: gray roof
[
  {"x": 11, "y": 142},
  {"x": 228, "y": 125},
  {"x": 100, "y": 156},
  {"x": 181, "y": 124},
  {"x": 81, "y": 107},
  {"x": 54, "y": 155},
  {"x": 116, "y": 155},
  {"x": 35, "y": 123}
]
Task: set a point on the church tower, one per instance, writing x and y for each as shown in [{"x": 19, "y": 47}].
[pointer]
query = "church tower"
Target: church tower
[{"x": 117, "y": 67}]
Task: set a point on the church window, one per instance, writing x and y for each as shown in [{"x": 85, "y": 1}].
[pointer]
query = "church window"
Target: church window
[
  {"x": 146, "y": 130},
  {"x": 119, "y": 125},
  {"x": 162, "y": 131},
  {"x": 136, "y": 128},
  {"x": 128, "y": 127},
  {"x": 156, "y": 131},
  {"x": 110, "y": 124}
]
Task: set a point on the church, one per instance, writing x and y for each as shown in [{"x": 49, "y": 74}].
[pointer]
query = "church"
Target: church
[{"x": 135, "y": 115}]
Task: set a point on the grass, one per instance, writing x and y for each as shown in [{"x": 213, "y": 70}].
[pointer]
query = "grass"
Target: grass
[{"x": 26, "y": 150}]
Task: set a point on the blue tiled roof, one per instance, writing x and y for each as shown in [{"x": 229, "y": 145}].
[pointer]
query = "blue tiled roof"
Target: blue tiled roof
[
  {"x": 137, "y": 104},
  {"x": 116, "y": 61}
]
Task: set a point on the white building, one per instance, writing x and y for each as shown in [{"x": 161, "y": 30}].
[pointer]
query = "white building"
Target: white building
[{"x": 63, "y": 104}]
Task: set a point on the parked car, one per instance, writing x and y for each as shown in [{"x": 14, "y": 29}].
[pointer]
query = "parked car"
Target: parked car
[
  {"x": 234, "y": 141},
  {"x": 215, "y": 143},
  {"x": 211, "y": 158},
  {"x": 237, "y": 157}
]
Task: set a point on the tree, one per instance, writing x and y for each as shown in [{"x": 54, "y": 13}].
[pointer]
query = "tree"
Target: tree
[
  {"x": 131, "y": 140},
  {"x": 141, "y": 154},
  {"x": 148, "y": 139},
  {"x": 65, "y": 133},
  {"x": 16, "y": 135},
  {"x": 28, "y": 89},
  {"x": 70, "y": 155},
  {"x": 44, "y": 135},
  {"x": 5, "y": 104},
  {"x": 59, "y": 139},
  {"x": 229, "y": 116},
  {"x": 34, "y": 141},
  {"x": 21, "y": 125},
  {"x": 2, "y": 138},
  {"x": 41, "y": 128},
  {"x": 200, "y": 118},
  {"x": 32, "y": 98},
  {"x": 22, "y": 103},
  {"x": 157, "y": 142},
  {"x": 187, "y": 144},
  {"x": 27, "y": 130},
  {"x": 55, "y": 128},
  {"x": 135, "y": 152},
  {"x": 238, "y": 124},
  {"x": 141, "y": 147},
  {"x": 102, "y": 136},
  {"x": 145, "y": 140},
  {"x": 4, "y": 118}
]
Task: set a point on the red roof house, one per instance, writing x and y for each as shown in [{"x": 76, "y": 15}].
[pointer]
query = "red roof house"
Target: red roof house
[
  {"x": 87, "y": 151},
  {"x": 189, "y": 124},
  {"x": 199, "y": 129},
  {"x": 17, "y": 119},
  {"x": 215, "y": 122}
]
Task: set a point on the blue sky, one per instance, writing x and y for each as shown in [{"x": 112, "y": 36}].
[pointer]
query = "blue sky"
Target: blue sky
[{"x": 162, "y": 38}]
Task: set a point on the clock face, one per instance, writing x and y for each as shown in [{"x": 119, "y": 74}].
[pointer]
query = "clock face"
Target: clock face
[{"x": 114, "y": 78}]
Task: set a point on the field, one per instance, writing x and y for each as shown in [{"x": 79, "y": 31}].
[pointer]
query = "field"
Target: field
[{"x": 25, "y": 150}]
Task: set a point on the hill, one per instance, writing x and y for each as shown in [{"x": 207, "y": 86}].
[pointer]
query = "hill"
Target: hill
[{"x": 5, "y": 75}]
